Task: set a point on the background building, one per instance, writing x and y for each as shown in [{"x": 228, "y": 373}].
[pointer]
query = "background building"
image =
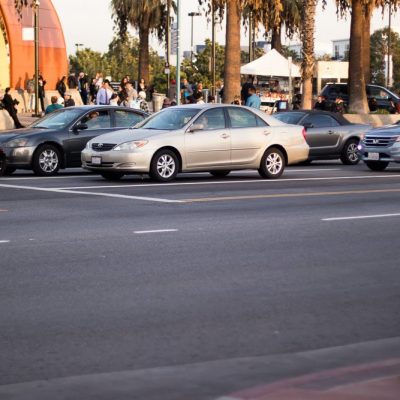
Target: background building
[{"x": 17, "y": 56}]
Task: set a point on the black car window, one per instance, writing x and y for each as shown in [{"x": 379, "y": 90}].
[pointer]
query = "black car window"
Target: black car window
[
  {"x": 289, "y": 118},
  {"x": 125, "y": 119},
  {"x": 212, "y": 119},
  {"x": 241, "y": 118},
  {"x": 320, "y": 121},
  {"x": 99, "y": 119},
  {"x": 338, "y": 90},
  {"x": 377, "y": 92}
]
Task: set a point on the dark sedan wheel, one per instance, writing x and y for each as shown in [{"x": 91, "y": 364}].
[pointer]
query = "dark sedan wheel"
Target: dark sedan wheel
[
  {"x": 220, "y": 173},
  {"x": 112, "y": 176},
  {"x": 377, "y": 165},
  {"x": 164, "y": 166},
  {"x": 349, "y": 154},
  {"x": 46, "y": 160},
  {"x": 272, "y": 164}
]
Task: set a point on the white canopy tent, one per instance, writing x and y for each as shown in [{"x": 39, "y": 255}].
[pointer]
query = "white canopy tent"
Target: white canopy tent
[{"x": 271, "y": 64}]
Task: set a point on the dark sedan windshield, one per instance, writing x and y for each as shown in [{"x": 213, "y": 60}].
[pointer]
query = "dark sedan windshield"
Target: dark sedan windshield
[
  {"x": 290, "y": 117},
  {"x": 58, "y": 119},
  {"x": 170, "y": 119}
]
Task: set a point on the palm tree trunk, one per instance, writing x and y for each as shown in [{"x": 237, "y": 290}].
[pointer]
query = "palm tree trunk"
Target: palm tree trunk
[
  {"x": 232, "y": 51},
  {"x": 307, "y": 66},
  {"x": 357, "y": 95},
  {"x": 276, "y": 42},
  {"x": 367, "y": 41},
  {"x": 143, "y": 71}
]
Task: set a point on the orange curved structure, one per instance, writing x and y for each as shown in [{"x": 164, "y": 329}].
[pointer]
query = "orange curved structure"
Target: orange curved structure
[{"x": 20, "y": 53}]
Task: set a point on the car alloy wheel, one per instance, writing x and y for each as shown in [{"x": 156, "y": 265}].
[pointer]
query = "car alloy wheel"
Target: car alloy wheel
[
  {"x": 350, "y": 153},
  {"x": 46, "y": 160},
  {"x": 272, "y": 164},
  {"x": 164, "y": 166}
]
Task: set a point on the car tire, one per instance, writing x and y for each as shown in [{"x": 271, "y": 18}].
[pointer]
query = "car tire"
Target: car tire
[
  {"x": 349, "y": 154},
  {"x": 272, "y": 164},
  {"x": 220, "y": 173},
  {"x": 9, "y": 170},
  {"x": 164, "y": 166},
  {"x": 377, "y": 165},
  {"x": 46, "y": 160},
  {"x": 112, "y": 176}
]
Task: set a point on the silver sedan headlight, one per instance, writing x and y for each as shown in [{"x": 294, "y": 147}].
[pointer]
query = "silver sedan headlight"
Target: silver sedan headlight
[
  {"x": 17, "y": 143},
  {"x": 130, "y": 146},
  {"x": 88, "y": 145}
]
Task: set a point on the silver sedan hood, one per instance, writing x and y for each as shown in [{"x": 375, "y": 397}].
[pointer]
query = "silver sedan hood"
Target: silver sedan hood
[{"x": 127, "y": 135}]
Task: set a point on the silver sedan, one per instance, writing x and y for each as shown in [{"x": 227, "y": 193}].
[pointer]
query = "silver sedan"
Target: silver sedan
[{"x": 216, "y": 138}]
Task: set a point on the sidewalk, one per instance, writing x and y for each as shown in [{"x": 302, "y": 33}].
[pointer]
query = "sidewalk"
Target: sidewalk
[
  {"x": 375, "y": 381},
  {"x": 26, "y": 119}
]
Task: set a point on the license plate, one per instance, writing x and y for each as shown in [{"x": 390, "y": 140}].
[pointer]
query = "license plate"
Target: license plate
[
  {"x": 96, "y": 160},
  {"x": 373, "y": 156}
]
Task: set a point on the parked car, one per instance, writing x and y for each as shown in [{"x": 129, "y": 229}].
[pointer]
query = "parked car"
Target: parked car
[
  {"x": 210, "y": 137},
  {"x": 379, "y": 98},
  {"x": 329, "y": 135},
  {"x": 380, "y": 146},
  {"x": 56, "y": 140}
]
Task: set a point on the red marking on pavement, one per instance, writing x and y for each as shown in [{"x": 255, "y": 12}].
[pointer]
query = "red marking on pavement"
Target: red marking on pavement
[{"x": 323, "y": 380}]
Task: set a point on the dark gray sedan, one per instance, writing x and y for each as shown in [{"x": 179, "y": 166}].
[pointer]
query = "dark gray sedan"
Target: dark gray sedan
[
  {"x": 329, "y": 135},
  {"x": 56, "y": 141}
]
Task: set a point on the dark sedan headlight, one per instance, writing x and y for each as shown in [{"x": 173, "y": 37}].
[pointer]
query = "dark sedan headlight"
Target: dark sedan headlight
[{"x": 17, "y": 143}]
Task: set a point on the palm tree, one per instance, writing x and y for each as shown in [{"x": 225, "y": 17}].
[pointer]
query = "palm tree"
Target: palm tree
[
  {"x": 232, "y": 51},
  {"x": 147, "y": 16},
  {"x": 307, "y": 38}
]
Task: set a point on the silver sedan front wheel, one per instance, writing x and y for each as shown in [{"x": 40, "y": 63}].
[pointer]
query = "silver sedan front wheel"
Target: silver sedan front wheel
[
  {"x": 46, "y": 160},
  {"x": 349, "y": 154},
  {"x": 164, "y": 166},
  {"x": 272, "y": 164}
]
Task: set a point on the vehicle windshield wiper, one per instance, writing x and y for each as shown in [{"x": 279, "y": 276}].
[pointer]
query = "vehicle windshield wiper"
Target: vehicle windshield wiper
[{"x": 40, "y": 126}]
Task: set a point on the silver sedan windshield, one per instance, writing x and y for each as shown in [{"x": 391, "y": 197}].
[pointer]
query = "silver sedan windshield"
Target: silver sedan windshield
[{"x": 169, "y": 119}]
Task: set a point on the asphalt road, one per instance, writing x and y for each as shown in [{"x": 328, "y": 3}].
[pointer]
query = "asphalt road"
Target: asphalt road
[{"x": 192, "y": 290}]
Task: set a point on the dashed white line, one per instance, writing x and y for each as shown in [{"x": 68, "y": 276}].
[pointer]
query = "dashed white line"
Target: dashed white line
[
  {"x": 4, "y": 241},
  {"x": 155, "y": 231},
  {"x": 361, "y": 217}
]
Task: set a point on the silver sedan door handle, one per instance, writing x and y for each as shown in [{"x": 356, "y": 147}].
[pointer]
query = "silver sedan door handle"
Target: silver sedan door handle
[
  {"x": 225, "y": 136},
  {"x": 267, "y": 132},
  {"x": 330, "y": 132}
]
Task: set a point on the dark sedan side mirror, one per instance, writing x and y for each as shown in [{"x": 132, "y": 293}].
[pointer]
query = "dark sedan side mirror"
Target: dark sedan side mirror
[
  {"x": 80, "y": 127},
  {"x": 308, "y": 125}
]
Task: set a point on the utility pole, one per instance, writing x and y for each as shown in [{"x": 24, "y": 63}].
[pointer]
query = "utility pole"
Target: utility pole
[
  {"x": 251, "y": 56},
  {"x": 213, "y": 35},
  {"x": 35, "y": 6},
  {"x": 192, "y": 14},
  {"x": 178, "y": 53},
  {"x": 389, "y": 44},
  {"x": 77, "y": 46},
  {"x": 168, "y": 41}
]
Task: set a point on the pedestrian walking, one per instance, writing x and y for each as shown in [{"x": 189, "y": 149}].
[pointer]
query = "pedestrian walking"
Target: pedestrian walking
[
  {"x": 41, "y": 92},
  {"x": 253, "y": 100},
  {"x": 61, "y": 86},
  {"x": 10, "y": 105}
]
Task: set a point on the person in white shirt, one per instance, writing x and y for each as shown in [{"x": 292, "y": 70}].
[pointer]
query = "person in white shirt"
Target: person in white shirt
[{"x": 104, "y": 94}]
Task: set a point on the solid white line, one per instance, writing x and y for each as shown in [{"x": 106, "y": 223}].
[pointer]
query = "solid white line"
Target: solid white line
[
  {"x": 361, "y": 217},
  {"x": 218, "y": 182},
  {"x": 118, "y": 196},
  {"x": 4, "y": 241},
  {"x": 156, "y": 231},
  {"x": 35, "y": 178}
]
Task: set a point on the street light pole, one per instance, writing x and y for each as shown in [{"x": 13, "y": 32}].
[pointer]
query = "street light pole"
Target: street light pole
[
  {"x": 213, "y": 34},
  {"x": 178, "y": 52},
  {"x": 192, "y": 14},
  {"x": 78, "y": 45},
  {"x": 389, "y": 43},
  {"x": 168, "y": 57},
  {"x": 35, "y": 6}
]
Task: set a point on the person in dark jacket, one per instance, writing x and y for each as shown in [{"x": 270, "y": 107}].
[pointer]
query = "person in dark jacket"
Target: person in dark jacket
[
  {"x": 61, "y": 86},
  {"x": 320, "y": 104},
  {"x": 68, "y": 100},
  {"x": 9, "y": 104}
]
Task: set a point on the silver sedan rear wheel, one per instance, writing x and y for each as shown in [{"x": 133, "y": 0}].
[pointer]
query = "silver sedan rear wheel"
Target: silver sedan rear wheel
[
  {"x": 272, "y": 164},
  {"x": 164, "y": 166}
]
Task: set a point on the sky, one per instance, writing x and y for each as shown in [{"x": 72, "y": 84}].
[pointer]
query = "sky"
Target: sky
[{"x": 89, "y": 22}]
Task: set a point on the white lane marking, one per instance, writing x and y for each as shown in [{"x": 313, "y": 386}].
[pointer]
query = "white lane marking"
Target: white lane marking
[
  {"x": 289, "y": 170},
  {"x": 65, "y": 191},
  {"x": 218, "y": 182},
  {"x": 4, "y": 241},
  {"x": 36, "y": 178},
  {"x": 361, "y": 217},
  {"x": 155, "y": 231}
]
